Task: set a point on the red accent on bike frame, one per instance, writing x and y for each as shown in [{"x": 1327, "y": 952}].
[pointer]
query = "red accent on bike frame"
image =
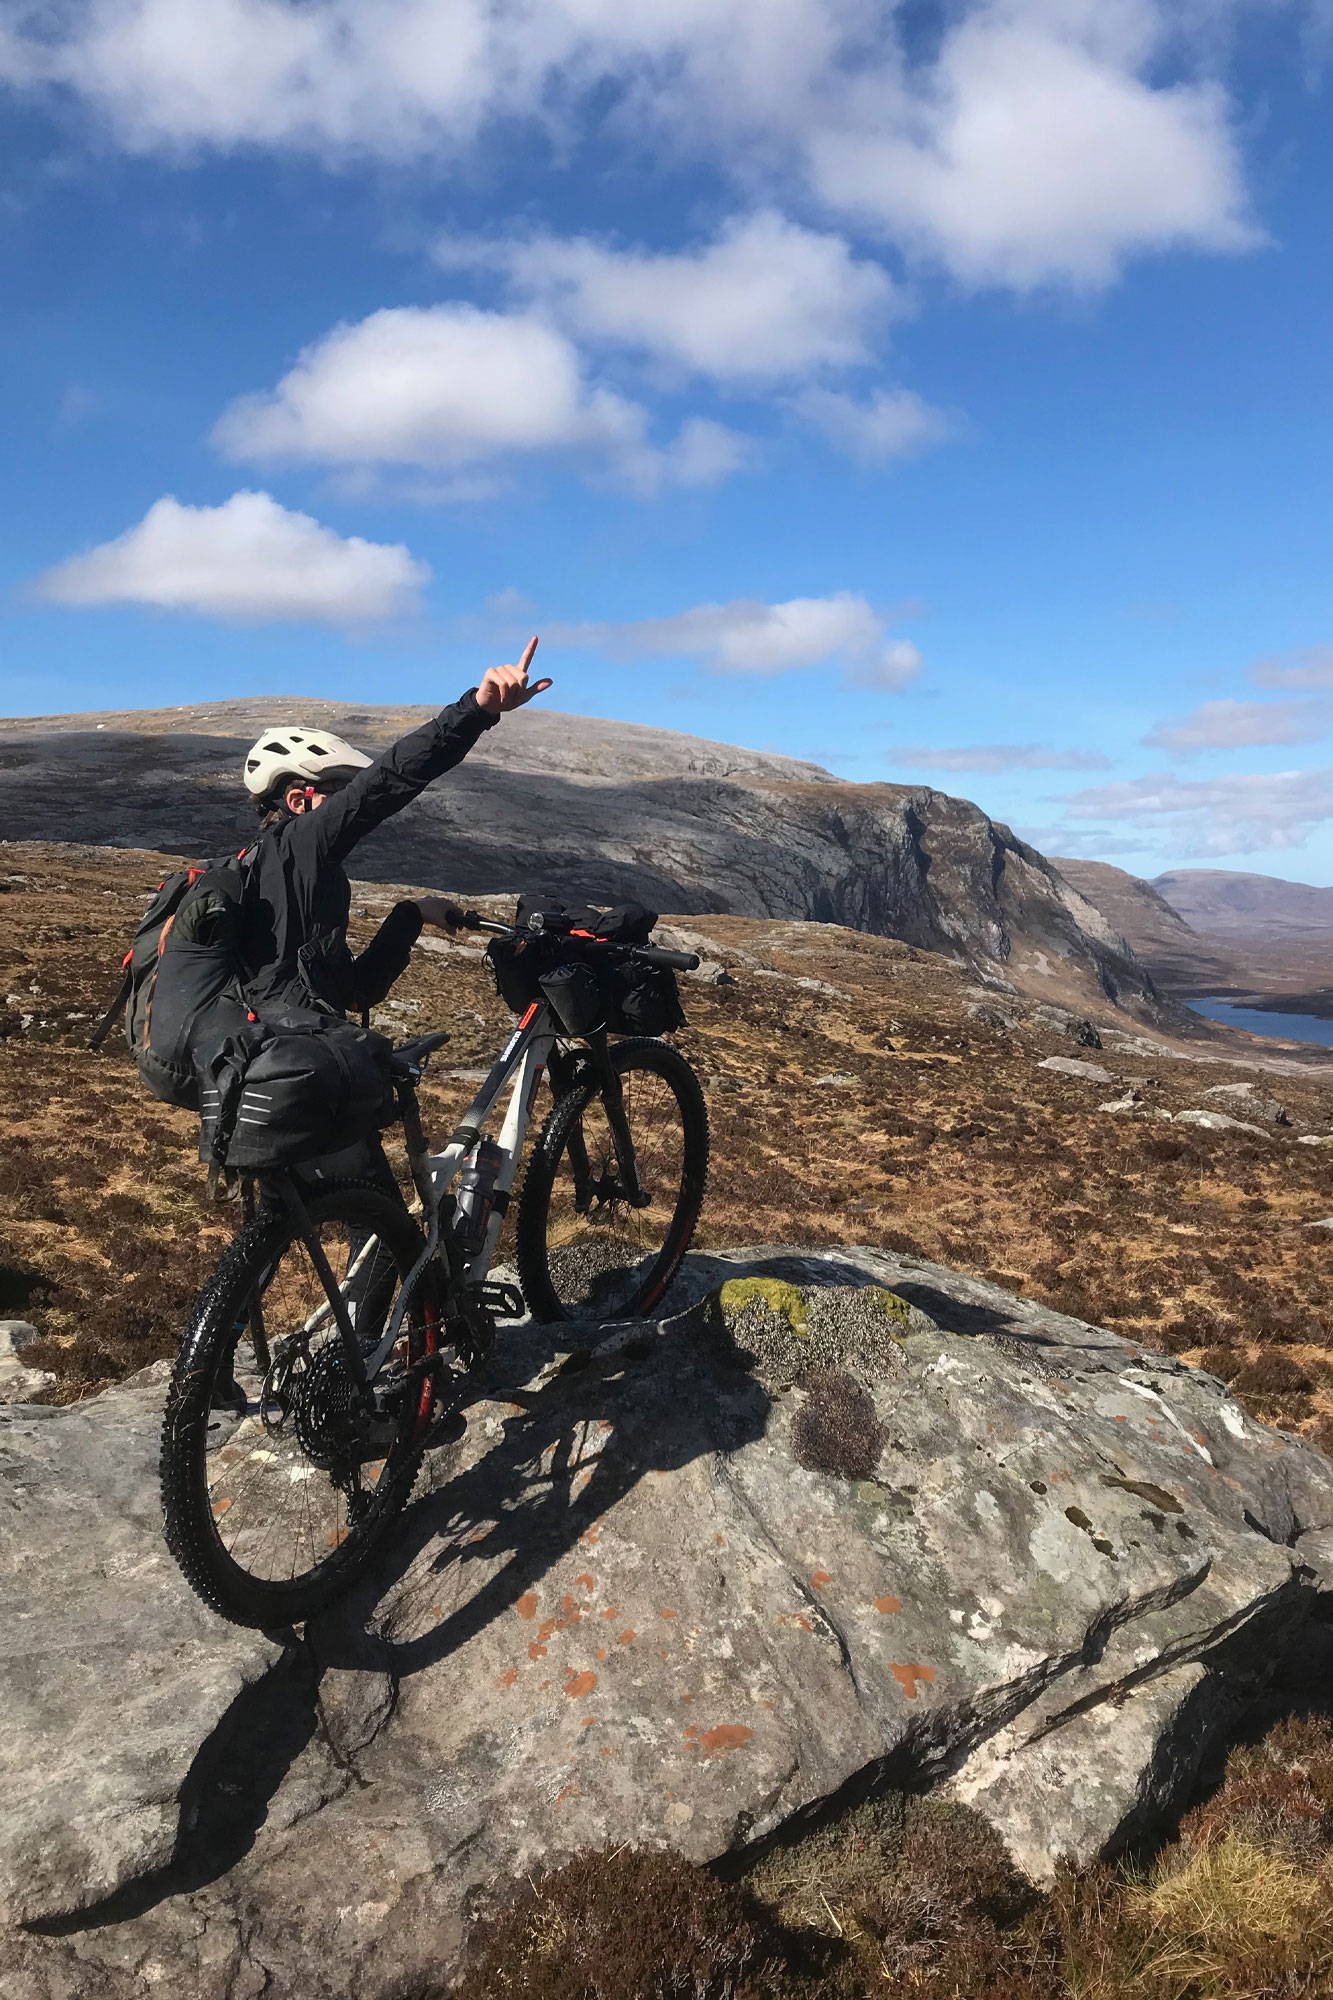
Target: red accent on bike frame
[
  {"x": 125, "y": 962},
  {"x": 531, "y": 1011},
  {"x": 653, "y": 1296},
  {"x": 426, "y": 1403}
]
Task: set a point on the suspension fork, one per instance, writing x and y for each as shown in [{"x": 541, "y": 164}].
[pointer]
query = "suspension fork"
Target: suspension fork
[{"x": 613, "y": 1097}]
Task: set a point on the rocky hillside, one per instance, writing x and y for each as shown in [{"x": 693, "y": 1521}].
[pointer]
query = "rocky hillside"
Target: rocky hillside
[
  {"x": 599, "y": 810},
  {"x": 614, "y": 1619},
  {"x": 1220, "y": 903},
  {"x": 1180, "y": 958}
]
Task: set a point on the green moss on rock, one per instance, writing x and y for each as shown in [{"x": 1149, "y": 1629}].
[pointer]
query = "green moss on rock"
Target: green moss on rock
[{"x": 774, "y": 1294}]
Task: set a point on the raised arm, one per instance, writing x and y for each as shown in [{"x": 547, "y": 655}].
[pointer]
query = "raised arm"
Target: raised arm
[{"x": 411, "y": 764}]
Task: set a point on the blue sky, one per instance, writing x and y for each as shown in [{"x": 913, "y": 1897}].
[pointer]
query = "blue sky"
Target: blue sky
[{"x": 940, "y": 392}]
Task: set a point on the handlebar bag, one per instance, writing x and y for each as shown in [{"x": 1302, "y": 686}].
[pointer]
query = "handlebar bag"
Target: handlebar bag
[
  {"x": 289, "y": 1088},
  {"x": 640, "y": 999}
]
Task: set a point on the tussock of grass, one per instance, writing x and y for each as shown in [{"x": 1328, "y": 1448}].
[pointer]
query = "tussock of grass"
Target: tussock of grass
[{"x": 911, "y": 1896}]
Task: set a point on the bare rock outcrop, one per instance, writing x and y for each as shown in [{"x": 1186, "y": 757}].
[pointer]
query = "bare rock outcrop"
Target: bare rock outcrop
[
  {"x": 612, "y": 811},
  {"x": 846, "y": 1520}
]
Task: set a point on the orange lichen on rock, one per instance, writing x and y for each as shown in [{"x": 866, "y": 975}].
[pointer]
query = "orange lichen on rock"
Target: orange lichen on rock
[
  {"x": 527, "y": 1604},
  {"x": 507, "y": 1678},
  {"x": 907, "y": 1678},
  {"x": 888, "y": 1604},
  {"x": 583, "y": 1683},
  {"x": 820, "y": 1577},
  {"x": 728, "y": 1736}
]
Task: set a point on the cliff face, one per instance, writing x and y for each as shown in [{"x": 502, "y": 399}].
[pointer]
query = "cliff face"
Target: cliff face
[
  {"x": 607, "y": 811},
  {"x": 1174, "y": 952}
]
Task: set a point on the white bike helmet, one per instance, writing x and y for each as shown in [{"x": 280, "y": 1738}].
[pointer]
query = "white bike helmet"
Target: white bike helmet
[{"x": 295, "y": 752}]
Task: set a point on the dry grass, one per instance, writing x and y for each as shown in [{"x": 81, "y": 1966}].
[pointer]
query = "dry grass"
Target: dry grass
[
  {"x": 910, "y": 1896},
  {"x": 950, "y": 1143}
]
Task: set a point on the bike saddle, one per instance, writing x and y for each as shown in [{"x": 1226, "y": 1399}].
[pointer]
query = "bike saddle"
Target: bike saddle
[{"x": 409, "y": 1058}]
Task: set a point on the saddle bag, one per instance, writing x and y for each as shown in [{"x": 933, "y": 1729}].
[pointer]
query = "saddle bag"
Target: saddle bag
[{"x": 288, "y": 1088}]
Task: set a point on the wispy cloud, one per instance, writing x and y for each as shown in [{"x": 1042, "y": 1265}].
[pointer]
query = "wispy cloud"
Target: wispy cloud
[
  {"x": 1309, "y": 667},
  {"x": 997, "y": 757},
  {"x": 1235, "y": 725},
  {"x": 748, "y": 636},
  {"x": 1226, "y": 815},
  {"x": 249, "y": 559}
]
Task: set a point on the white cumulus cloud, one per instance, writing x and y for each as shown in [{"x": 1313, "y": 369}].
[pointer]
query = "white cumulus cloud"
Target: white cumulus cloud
[
  {"x": 247, "y": 559},
  {"x": 1039, "y": 142},
  {"x": 1038, "y": 148},
  {"x": 765, "y": 300},
  {"x": 748, "y": 636},
  {"x": 1235, "y": 725},
  {"x": 446, "y": 387}
]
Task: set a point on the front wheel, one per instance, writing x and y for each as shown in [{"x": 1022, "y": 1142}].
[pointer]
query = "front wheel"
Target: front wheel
[
  {"x": 587, "y": 1249},
  {"x": 276, "y": 1483}
]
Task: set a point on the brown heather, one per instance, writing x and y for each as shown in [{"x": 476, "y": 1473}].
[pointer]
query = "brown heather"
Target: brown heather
[{"x": 951, "y": 1144}]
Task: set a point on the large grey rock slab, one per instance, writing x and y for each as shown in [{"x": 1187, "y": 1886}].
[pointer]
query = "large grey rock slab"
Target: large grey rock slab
[
  {"x": 631, "y": 1606},
  {"x": 113, "y": 1675}
]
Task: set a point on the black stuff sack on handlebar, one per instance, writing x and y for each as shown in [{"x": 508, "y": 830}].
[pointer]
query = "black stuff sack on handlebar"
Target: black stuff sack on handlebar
[
  {"x": 544, "y": 944},
  {"x": 287, "y": 1089},
  {"x": 588, "y": 990}
]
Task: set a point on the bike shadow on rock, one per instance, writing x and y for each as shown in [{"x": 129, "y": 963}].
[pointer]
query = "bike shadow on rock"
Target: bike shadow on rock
[
  {"x": 553, "y": 1445},
  {"x": 569, "y": 1438}
]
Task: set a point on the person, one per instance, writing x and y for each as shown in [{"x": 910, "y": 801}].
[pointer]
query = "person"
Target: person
[{"x": 317, "y": 798}]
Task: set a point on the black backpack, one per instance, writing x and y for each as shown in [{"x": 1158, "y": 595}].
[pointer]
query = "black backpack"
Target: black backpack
[{"x": 184, "y": 989}]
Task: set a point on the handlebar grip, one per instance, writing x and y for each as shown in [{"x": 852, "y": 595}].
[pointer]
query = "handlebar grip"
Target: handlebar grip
[{"x": 679, "y": 961}]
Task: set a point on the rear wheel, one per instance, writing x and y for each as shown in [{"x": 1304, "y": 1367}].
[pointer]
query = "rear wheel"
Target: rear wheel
[
  {"x": 275, "y": 1498},
  {"x": 585, "y": 1250}
]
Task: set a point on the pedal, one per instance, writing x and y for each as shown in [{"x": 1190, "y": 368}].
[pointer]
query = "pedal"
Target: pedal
[{"x": 505, "y": 1301}]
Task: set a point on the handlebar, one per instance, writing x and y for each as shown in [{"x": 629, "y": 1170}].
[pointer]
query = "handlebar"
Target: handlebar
[{"x": 650, "y": 954}]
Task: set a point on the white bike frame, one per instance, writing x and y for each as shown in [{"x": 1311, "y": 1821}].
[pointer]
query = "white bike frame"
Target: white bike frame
[{"x": 519, "y": 1067}]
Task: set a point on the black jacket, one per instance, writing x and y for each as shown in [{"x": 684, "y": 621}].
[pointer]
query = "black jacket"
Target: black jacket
[{"x": 295, "y": 909}]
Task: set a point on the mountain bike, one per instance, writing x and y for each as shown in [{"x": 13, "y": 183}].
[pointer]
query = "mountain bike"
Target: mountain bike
[{"x": 343, "y": 1333}]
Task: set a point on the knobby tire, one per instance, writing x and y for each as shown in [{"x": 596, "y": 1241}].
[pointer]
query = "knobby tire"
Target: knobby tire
[
  {"x": 205, "y": 1359},
  {"x": 533, "y": 1232}
]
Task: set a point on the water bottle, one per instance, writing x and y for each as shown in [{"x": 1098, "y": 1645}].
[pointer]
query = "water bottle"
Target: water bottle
[{"x": 474, "y": 1195}]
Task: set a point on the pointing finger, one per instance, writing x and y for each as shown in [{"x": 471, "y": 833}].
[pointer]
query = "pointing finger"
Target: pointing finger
[{"x": 526, "y": 661}]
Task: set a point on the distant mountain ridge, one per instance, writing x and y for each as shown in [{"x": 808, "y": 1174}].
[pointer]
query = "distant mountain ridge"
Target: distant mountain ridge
[
  {"x": 609, "y": 811},
  {"x": 1219, "y": 903}
]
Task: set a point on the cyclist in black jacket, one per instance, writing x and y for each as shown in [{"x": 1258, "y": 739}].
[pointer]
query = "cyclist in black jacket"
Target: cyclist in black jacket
[{"x": 318, "y": 796}]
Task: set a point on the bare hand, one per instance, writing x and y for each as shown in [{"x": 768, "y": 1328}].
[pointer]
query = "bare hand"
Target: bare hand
[
  {"x": 438, "y": 910},
  {"x": 506, "y": 688}
]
